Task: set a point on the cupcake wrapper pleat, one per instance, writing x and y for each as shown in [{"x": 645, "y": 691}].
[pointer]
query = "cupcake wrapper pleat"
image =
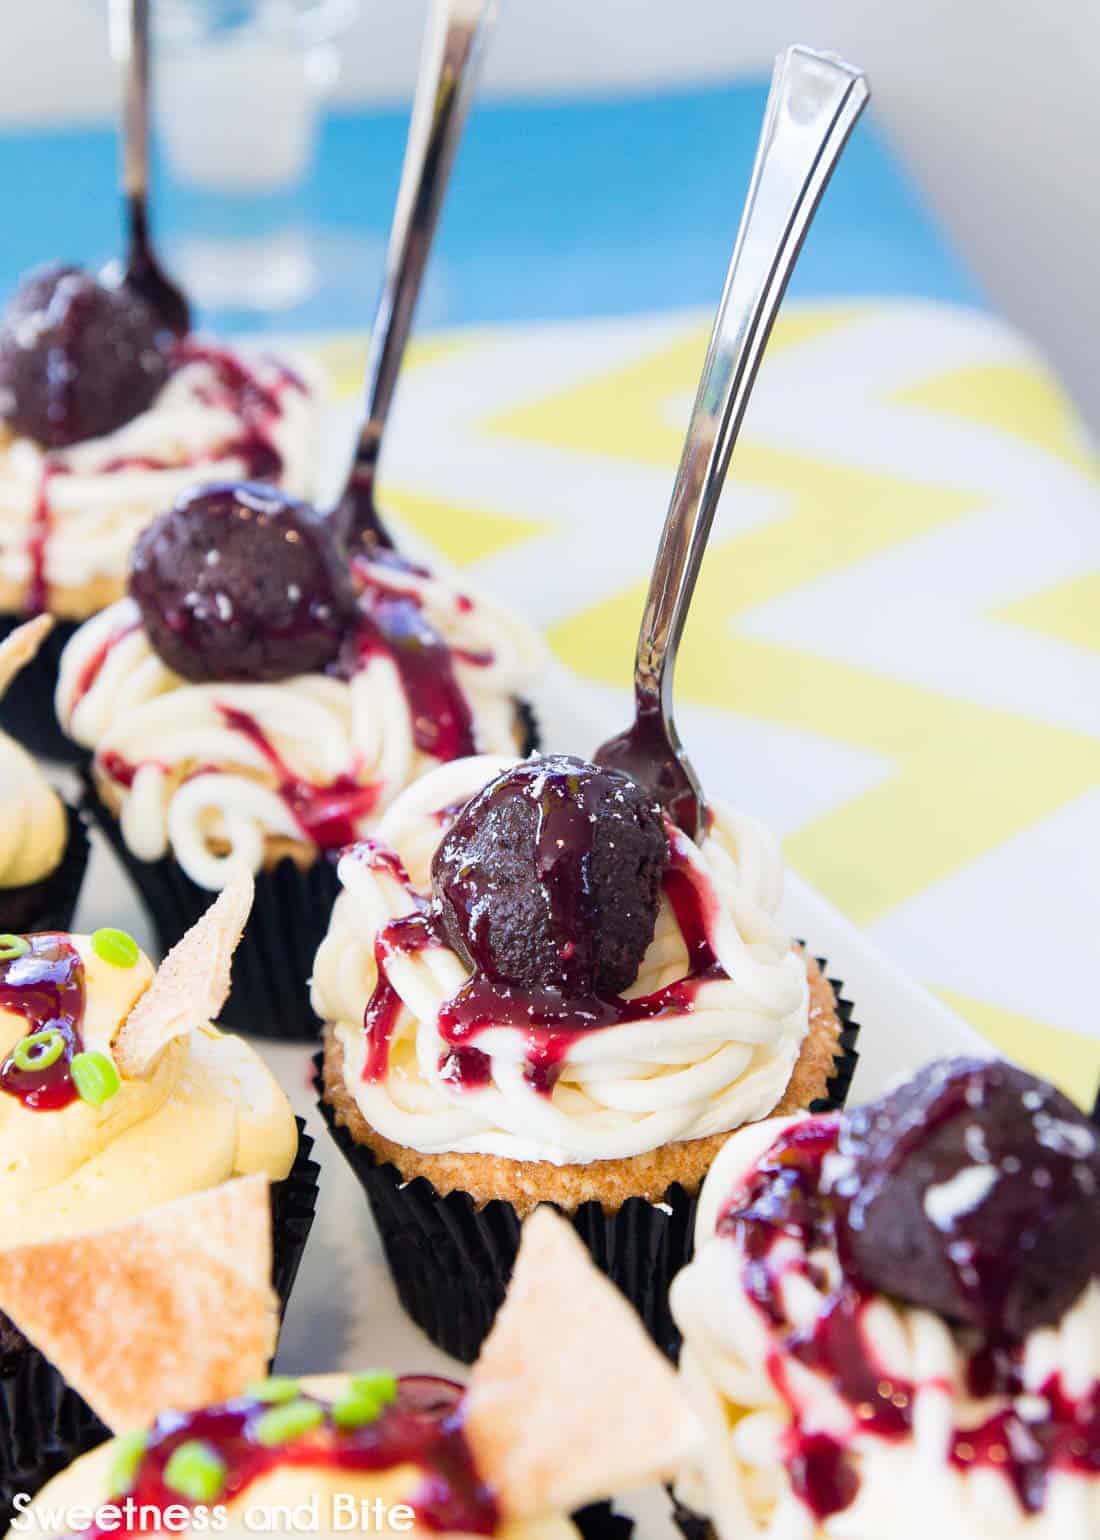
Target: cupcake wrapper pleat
[
  {"x": 45, "y": 1425},
  {"x": 293, "y": 1207},
  {"x": 847, "y": 1056},
  {"x": 272, "y": 966},
  {"x": 26, "y": 710},
  {"x": 451, "y": 1260},
  {"x": 692, "y": 1525},
  {"x": 51, "y": 903}
]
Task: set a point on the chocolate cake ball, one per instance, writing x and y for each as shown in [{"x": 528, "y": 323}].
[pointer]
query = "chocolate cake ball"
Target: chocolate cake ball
[
  {"x": 550, "y": 878},
  {"x": 240, "y": 582},
  {"x": 972, "y": 1190},
  {"x": 77, "y": 359}
]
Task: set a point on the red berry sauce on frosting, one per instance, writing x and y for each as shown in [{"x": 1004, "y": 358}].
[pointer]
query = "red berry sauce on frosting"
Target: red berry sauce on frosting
[
  {"x": 91, "y": 670},
  {"x": 44, "y": 985},
  {"x": 238, "y": 583},
  {"x": 421, "y": 1427},
  {"x": 326, "y": 814},
  {"x": 790, "y": 1215},
  {"x": 548, "y": 884},
  {"x": 257, "y": 405},
  {"x": 393, "y": 625},
  {"x": 236, "y": 388}
]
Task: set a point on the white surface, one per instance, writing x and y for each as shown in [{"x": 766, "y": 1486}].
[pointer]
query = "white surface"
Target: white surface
[{"x": 994, "y": 104}]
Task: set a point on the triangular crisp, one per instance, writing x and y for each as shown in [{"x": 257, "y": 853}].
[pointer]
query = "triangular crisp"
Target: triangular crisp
[
  {"x": 174, "y": 1309},
  {"x": 191, "y": 984},
  {"x": 570, "y": 1401},
  {"x": 19, "y": 647}
]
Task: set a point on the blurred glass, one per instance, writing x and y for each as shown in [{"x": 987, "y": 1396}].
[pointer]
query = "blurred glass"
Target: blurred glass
[{"x": 240, "y": 87}]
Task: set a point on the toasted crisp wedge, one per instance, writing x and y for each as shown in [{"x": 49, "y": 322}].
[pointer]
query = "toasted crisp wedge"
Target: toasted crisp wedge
[
  {"x": 191, "y": 984},
  {"x": 570, "y": 1401},
  {"x": 19, "y": 647},
  {"x": 173, "y": 1309}
]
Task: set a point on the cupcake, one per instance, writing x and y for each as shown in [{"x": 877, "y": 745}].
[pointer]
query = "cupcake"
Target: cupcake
[
  {"x": 43, "y": 843},
  {"x": 262, "y": 698},
  {"x": 105, "y": 418},
  {"x": 892, "y": 1321},
  {"x": 117, "y": 1095},
  {"x": 536, "y": 1433},
  {"x": 537, "y": 989}
]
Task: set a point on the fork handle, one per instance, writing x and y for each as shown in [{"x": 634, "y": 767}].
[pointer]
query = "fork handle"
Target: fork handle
[{"x": 813, "y": 105}]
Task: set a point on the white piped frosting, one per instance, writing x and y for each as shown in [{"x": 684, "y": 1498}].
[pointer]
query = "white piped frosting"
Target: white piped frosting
[
  {"x": 70, "y": 517},
  {"x": 744, "y": 1379},
  {"x": 191, "y": 782},
  {"x": 622, "y": 1089}
]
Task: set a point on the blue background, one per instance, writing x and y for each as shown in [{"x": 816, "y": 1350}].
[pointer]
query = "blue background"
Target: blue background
[{"x": 558, "y": 209}]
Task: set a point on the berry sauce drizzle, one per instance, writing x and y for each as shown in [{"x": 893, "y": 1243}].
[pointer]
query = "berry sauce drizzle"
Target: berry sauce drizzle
[
  {"x": 46, "y": 987},
  {"x": 551, "y": 1019},
  {"x": 392, "y": 624},
  {"x": 37, "y": 596},
  {"x": 237, "y": 389},
  {"x": 389, "y": 622},
  {"x": 423, "y": 1427},
  {"x": 258, "y": 406},
  {"x": 327, "y": 814},
  {"x": 93, "y": 667},
  {"x": 781, "y": 1202}
]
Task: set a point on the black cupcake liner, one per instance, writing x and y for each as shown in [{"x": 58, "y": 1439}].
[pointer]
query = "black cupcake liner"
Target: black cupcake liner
[
  {"x": 269, "y": 996},
  {"x": 50, "y": 903},
  {"x": 26, "y": 710},
  {"x": 451, "y": 1260},
  {"x": 692, "y": 1525},
  {"x": 599, "y": 1521},
  {"x": 273, "y": 963},
  {"x": 531, "y": 739},
  {"x": 846, "y": 1058},
  {"x": 45, "y": 1424},
  {"x": 293, "y": 1207}
]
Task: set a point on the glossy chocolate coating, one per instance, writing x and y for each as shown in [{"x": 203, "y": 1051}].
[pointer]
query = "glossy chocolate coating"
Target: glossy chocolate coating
[
  {"x": 77, "y": 359},
  {"x": 241, "y": 582},
  {"x": 550, "y": 878},
  {"x": 972, "y": 1190}
]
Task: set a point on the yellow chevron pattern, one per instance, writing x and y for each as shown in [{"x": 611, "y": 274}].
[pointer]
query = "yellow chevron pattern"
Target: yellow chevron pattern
[{"x": 909, "y": 464}]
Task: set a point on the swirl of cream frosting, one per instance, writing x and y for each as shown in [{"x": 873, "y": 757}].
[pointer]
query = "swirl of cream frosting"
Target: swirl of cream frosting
[
  {"x": 208, "y": 1110},
  {"x": 33, "y": 829},
  {"x": 217, "y": 773},
  {"x": 735, "y": 1359},
  {"x": 721, "y": 1058},
  {"x": 69, "y": 517},
  {"x": 335, "y": 1492}
]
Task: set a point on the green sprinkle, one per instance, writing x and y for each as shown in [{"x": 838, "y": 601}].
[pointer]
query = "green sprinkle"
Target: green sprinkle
[
  {"x": 282, "y": 1423},
  {"x": 116, "y": 947},
  {"x": 39, "y": 1050},
  {"x": 95, "y": 1077},
  {"x": 12, "y": 946},
  {"x": 195, "y": 1471},
  {"x": 367, "y": 1398},
  {"x": 379, "y": 1383},
  {"x": 276, "y": 1389},
  {"x": 129, "y": 1449}
]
